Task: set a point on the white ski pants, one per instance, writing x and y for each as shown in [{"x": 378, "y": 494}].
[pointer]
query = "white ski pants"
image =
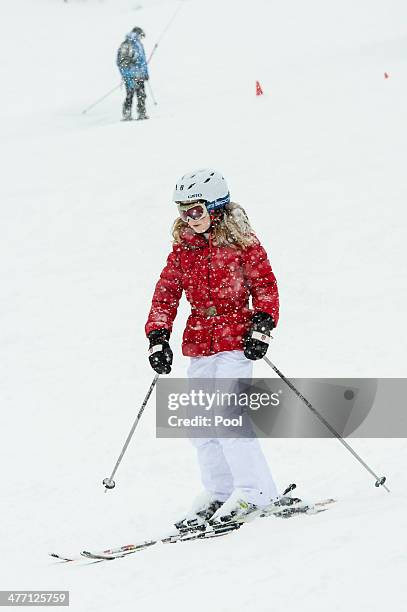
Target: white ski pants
[{"x": 231, "y": 463}]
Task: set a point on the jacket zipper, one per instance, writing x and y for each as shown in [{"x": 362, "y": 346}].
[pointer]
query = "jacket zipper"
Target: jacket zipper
[{"x": 209, "y": 287}]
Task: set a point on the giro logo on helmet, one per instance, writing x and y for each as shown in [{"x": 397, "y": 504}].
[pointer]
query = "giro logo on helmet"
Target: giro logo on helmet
[{"x": 195, "y": 195}]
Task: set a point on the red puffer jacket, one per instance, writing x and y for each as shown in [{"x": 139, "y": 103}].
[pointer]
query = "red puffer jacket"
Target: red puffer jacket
[{"x": 218, "y": 281}]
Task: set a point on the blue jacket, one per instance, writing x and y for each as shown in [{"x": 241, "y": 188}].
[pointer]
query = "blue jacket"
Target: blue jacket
[{"x": 138, "y": 69}]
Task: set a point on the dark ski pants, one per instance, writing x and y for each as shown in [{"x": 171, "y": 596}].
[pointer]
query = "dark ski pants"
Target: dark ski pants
[{"x": 135, "y": 86}]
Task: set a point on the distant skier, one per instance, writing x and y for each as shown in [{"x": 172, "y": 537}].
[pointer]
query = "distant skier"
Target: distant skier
[
  {"x": 219, "y": 262},
  {"x": 132, "y": 63}
]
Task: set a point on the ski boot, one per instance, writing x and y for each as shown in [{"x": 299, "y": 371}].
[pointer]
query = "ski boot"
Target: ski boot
[
  {"x": 126, "y": 112},
  {"x": 235, "y": 510},
  {"x": 202, "y": 509}
]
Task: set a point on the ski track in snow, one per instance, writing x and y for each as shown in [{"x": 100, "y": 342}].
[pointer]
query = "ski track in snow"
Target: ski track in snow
[{"x": 318, "y": 162}]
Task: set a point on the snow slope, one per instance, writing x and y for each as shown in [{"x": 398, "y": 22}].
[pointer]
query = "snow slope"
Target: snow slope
[{"x": 319, "y": 164}]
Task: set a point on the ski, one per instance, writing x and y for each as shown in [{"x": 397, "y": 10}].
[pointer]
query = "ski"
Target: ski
[
  {"x": 130, "y": 549},
  {"x": 288, "y": 510},
  {"x": 124, "y": 551},
  {"x": 134, "y": 119},
  {"x": 298, "y": 507},
  {"x": 121, "y": 551},
  {"x": 105, "y": 554},
  {"x": 65, "y": 558}
]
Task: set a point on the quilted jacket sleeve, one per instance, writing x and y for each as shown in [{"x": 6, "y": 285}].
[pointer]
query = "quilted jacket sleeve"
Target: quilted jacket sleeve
[
  {"x": 167, "y": 295},
  {"x": 261, "y": 281}
]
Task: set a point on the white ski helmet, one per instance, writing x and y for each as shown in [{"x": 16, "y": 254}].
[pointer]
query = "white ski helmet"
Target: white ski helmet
[{"x": 206, "y": 184}]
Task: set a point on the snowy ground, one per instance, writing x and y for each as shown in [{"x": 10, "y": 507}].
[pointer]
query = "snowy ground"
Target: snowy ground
[{"x": 319, "y": 164}]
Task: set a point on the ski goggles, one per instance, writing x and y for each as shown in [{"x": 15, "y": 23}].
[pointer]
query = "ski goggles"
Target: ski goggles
[{"x": 192, "y": 212}]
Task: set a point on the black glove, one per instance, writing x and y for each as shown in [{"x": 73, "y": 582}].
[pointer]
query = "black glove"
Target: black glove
[
  {"x": 160, "y": 353},
  {"x": 257, "y": 340}
]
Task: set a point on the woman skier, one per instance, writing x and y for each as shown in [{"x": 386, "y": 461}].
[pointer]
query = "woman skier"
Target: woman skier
[{"x": 219, "y": 262}]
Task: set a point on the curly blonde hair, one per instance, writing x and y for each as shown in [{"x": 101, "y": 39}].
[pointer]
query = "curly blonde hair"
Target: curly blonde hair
[{"x": 233, "y": 230}]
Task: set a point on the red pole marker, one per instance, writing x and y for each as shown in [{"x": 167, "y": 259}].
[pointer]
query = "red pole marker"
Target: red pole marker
[
  {"x": 259, "y": 91},
  {"x": 386, "y": 75}
]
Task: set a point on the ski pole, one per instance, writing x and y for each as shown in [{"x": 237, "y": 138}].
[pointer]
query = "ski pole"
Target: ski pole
[
  {"x": 102, "y": 98},
  {"x": 109, "y": 483},
  {"x": 108, "y": 94},
  {"x": 151, "y": 93},
  {"x": 152, "y": 53},
  {"x": 380, "y": 480},
  {"x": 154, "y": 49},
  {"x": 163, "y": 33}
]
